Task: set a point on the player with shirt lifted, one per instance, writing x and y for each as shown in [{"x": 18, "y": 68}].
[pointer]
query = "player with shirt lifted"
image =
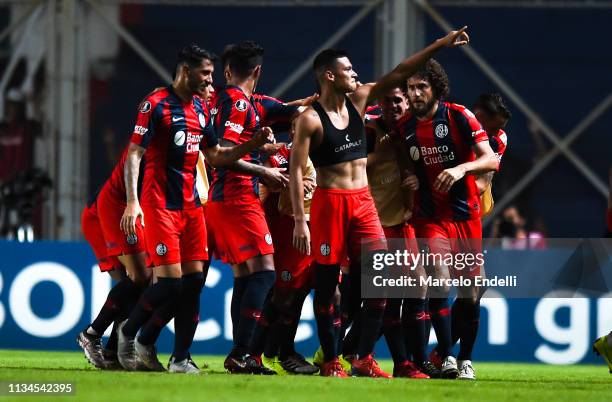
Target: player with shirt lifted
[
  {"x": 343, "y": 213},
  {"x": 448, "y": 148},
  {"x": 171, "y": 124}
]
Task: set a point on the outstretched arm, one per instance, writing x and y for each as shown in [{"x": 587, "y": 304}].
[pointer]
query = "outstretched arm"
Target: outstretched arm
[
  {"x": 226, "y": 155},
  {"x": 406, "y": 68}
]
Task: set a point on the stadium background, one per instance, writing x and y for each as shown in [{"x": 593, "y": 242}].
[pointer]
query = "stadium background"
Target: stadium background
[{"x": 84, "y": 80}]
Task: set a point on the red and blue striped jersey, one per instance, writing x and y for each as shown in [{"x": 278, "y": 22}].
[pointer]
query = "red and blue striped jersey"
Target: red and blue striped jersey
[
  {"x": 237, "y": 118},
  {"x": 443, "y": 142},
  {"x": 171, "y": 130}
]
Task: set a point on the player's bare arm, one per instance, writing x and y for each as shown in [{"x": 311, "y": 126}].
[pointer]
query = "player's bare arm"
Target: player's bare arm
[
  {"x": 303, "y": 103},
  {"x": 226, "y": 155},
  {"x": 485, "y": 162},
  {"x": 305, "y": 127},
  {"x": 273, "y": 176},
  {"x": 484, "y": 181},
  {"x": 406, "y": 68},
  {"x": 132, "y": 209}
]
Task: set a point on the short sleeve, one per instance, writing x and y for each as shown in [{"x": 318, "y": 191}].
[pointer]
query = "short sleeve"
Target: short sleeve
[
  {"x": 147, "y": 118},
  {"x": 272, "y": 110},
  {"x": 469, "y": 127},
  {"x": 499, "y": 143},
  {"x": 231, "y": 118}
]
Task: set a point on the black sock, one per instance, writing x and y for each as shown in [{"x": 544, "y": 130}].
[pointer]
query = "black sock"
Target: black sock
[
  {"x": 457, "y": 320},
  {"x": 392, "y": 329},
  {"x": 240, "y": 285},
  {"x": 327, "y": 314},
  {"x": 258, "y": 286},
  {"x": 269, "y": 316},
  {"x": 372, "y": 314},
  {"x": 471, "y": 316},
  {"x": 350, "y": 293},
  {"x": 187, "y": 314},
  {"x": 118, "y": 296},
  {"x": 165, "y": 290},
  {"x": 111, "y": 344},
  {"x": 153, "y": 327},
  {"x": 415, "y": 322},
  {"x": 440, "y": 319}
]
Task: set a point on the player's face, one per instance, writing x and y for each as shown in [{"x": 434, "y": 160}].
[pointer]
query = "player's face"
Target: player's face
[
  {"x": 394, "y": 105},
  {"x": 420, "y": 96},
  {"x": 200, "y": 78},
  {"x": 345, "y": 78},
  {"x": 489, "y": 122}
]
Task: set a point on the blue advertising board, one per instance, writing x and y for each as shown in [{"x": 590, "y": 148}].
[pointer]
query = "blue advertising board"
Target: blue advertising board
[{"x": 49, "y": 291}]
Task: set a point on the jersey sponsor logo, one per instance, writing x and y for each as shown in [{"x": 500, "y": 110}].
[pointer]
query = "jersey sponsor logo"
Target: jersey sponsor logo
[
  {"x": 325, "y": 249},
  {"x": 286, "y": 276},
  {"x": 280, "y": 159},
  {"x": 140, "y": 130},
  {"x": 213, "y": 111},
  {"x": 193, "y": 142},
  {"x": 234, "y": 127},
  {"x": 414, "y": 153},
  {"x": 241, "y": 105},
  {"x": 177, "y": 118},
  {"x": 161, "y": 249},
  {"x": 437, "y": 154},
  {"x": 145, "y": 107},
  {"x": 131, "y": 239},
  {"x": 268, "y": 238},
  {"x": 441, "y": 130},
  {"x": 347, "y": 146},
  {"x": 202, "y": 120},
  {"x": 179, "y": 138}
]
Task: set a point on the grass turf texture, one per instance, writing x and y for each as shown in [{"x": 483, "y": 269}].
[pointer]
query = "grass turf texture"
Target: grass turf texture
[{"x": 496, "y": 382}]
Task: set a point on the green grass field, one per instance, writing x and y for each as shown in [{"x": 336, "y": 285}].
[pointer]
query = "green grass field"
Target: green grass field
[{"x": 496, "y": 382}]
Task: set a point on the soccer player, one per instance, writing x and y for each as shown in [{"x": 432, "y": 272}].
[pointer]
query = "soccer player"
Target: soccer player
[
  {"x": 241, "y": 234},
  {"x": 448, "y": 149},
  {"x": 116, "y": 254},
  {"x": 603, "y": 346},
  {"x": 493, "y": 115},
  {"x": 332, "y": 132},
  {"x": 171, "y": 124}
]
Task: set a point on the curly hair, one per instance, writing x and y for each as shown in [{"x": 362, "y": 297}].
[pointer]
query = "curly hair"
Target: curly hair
[{"x": 434, "y": 73}]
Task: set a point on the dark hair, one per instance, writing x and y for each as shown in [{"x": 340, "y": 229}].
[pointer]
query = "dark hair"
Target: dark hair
[
  {"x": 326, "y": 60},
  {"x": 242, "y": 58},
  {"x": 193, "y": 55},
  {"x": 434, "y": 73},
  {"x": 493, "y": 105}
]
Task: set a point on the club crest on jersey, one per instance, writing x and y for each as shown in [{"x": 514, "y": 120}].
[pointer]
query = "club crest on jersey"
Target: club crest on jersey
[
  {"x": 286, "y": 276},
  {"x": 131, "y": 239},
  {"x": 145, "y": 107},
  {"x": 441, "y": 130},
  {"x": 202, "y": 120},
  {"x": 325, "y": 249},
  {"x": 179, "y": 138},
  {"x": 414, "y": 153},
  {"x": 268, "y": 238},
  {"x": 241, "y": 105},
  {"x": 161, "y": 249}
]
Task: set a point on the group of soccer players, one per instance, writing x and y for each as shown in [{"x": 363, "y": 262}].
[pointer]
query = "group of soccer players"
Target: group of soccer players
[{"x": 294, "y": 217}]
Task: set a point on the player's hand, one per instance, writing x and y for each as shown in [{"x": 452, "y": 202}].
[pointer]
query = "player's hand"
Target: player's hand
[
  {"x": 310, "y": 100},
  {"x": 271, "y": 149},
  {"x": 411, "y": 182},
  {"x": 264, "y": 136},
  {"x": 276, "y": 177},
  {"x": 301, "y": 237},
  {"x": 456, "y": 38},
  {"x": 130, "y": 215},
  {"x": 447, "y": 178},
  {"x": 309, "y": 185}
]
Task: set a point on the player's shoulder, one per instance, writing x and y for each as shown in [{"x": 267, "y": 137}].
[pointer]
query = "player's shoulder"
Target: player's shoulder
[
  {"x": 153, "y": 98},
  {"x": 231, "y": 96},
  {"x": 502, "y": 136},
  {"x": 456, "y": 107}
]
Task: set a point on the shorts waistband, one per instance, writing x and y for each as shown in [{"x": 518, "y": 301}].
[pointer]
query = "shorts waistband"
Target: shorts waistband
[{"x": 354, "y": 191}]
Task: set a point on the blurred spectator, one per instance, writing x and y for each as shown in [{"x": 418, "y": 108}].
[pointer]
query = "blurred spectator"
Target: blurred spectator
[
  {"x": 17, "y": 135},
  {"x": 511, "y": 228}
]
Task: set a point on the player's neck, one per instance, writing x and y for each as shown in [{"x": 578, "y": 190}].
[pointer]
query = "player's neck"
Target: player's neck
[
  {"x": 182, "y": 92},
  {"x": 429, "y": 115},
  {"x": 332, "y": 101},
  {"x": 247, "y": 85}
]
